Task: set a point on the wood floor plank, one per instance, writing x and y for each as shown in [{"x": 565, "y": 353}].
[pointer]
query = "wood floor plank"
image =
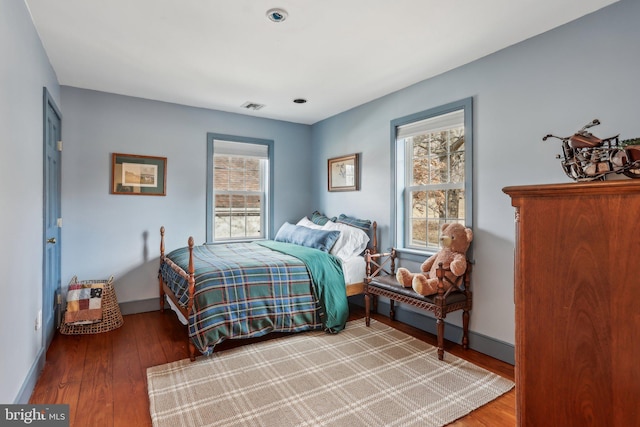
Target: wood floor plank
[
  {"x": 175, "y": 346},
  {"x": 149, "y": 342},
  {"x": 62, "y": 375},
  {"x": 129, "y": 378},
  {"x": 125, "y": 341},
  {"x": 65, "y": 355},
  {"x": 495, "y": 414},
  {"x": 103, "y": 377},
  {"x": 95, "y": 406},
  {"x": 68, "y": 393}
]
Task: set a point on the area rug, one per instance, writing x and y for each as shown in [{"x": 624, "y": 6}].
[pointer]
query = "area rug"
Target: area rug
[{"x": 362, "y": 376}]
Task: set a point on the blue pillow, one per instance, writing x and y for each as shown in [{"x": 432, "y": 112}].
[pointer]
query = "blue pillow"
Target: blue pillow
[
  {"x": 363, "y": 224},
  {"x": 309, "y": 237}
]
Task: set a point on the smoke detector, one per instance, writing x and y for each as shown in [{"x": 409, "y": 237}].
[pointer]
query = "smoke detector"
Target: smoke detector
[{"x": 277, "y": 15}]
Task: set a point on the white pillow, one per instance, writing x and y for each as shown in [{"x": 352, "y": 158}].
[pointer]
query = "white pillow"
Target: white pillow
[
  {"x": 306, "y": 222},
  {"x": 352, "y": 241}
]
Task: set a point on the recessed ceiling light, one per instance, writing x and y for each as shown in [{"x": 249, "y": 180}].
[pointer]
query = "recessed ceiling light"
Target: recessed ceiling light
[
  {"x": 277, "y": 15},
  {"x": 300, "y": 100}
]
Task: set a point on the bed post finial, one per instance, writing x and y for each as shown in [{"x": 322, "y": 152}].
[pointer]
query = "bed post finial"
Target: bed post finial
[
  {"x": 192, "y": 289},
  {"x": 161, "y": 261},
  {"x": 191, "y": 269},
  {"x": 374, "y": 225},
  {"x": 162, "y": 240}
]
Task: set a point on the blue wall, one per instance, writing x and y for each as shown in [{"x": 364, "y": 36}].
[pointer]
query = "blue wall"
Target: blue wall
[
  {"x": 24, "y": 71},
  {"x": 119, "y": 235},
  {"x": 555, "y": 82}
]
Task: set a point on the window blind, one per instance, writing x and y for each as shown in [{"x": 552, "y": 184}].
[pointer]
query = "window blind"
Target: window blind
[
  {"x": 229, "y": 148},
  {"x": 434, "y": 124}
]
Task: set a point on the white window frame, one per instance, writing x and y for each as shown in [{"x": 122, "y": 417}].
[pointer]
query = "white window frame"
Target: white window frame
[
  {"x": 267, "y": 172},
  {"x": 400, "y": 191}
]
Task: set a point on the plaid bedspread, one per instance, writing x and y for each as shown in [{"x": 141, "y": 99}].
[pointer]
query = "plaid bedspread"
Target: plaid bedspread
[{"x": 243, "y": 290}]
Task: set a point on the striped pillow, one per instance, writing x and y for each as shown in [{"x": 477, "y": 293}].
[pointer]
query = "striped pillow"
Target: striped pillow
[
  {"x": 362, "y": 224},
  {"x": 320, "y": 219}
]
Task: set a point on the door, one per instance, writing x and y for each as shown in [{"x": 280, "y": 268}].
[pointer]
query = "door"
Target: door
[{"x": 52, "y": 218}]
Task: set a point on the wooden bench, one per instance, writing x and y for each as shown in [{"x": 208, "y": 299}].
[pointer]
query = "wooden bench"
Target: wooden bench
[{"x": 381, "y": 281}]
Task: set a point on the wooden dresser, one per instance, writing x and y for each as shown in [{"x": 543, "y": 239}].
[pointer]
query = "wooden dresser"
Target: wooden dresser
[{"x": 577, "y": 296}]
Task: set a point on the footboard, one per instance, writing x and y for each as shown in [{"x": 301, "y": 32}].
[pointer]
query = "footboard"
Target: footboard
[{"x": 166, "y": 291}]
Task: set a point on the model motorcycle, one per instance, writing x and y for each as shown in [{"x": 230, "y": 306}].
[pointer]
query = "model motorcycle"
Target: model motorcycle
[{"x": 586, "y": 157}]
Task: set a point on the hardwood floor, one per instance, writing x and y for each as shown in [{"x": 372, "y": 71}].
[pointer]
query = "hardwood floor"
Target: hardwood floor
[{"x": 103, "y": 377}]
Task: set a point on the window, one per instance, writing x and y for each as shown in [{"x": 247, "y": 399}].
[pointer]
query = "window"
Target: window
[
  {"x": 239, "y": 179},
  {"x": 432, "y": 160}
]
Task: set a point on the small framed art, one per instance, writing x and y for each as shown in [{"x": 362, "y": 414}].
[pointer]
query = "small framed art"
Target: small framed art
[
  {"x": 138, "y": 175},
  {"x": 343, "y": 173}
]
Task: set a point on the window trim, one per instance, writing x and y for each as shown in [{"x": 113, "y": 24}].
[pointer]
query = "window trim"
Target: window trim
[
  {"x": 269, "y": 190},
  {"x": 397, "y": 165}
]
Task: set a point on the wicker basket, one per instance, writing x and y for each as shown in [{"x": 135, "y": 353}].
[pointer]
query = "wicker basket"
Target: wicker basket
[{"x": 111, "y": 316}]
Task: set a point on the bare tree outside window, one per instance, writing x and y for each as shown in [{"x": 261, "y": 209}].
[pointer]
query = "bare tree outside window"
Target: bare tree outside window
[
  {"x": 436, "y": 188},
  {"x": 431, "y": 173}
]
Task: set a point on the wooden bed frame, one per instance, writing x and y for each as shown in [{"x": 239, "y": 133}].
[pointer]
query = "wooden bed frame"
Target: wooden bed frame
[{"x": 352, "y": 289}]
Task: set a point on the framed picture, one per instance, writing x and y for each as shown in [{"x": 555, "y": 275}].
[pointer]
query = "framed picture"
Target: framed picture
[
  {"x": 343, "y": 173},
  {"x": 138, "y": 175}
]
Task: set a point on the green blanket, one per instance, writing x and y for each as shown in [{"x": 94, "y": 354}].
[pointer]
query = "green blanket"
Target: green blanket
[{"x": 327, "y": 278}]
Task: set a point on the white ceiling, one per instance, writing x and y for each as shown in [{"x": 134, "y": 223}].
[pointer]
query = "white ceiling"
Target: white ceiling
[{"x": 338, "y": 54}]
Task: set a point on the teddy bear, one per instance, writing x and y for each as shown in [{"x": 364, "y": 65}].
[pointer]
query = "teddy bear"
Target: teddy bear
[{"x": 455, "y": 240}]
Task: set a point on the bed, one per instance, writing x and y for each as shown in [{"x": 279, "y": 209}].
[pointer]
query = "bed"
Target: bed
[{"x": 297, "y": 282}]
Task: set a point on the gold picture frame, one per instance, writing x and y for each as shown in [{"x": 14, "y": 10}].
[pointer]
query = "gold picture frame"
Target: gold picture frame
[
  {"x": 344, "y": 173},
  {"x": 132, "y": 174}
]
